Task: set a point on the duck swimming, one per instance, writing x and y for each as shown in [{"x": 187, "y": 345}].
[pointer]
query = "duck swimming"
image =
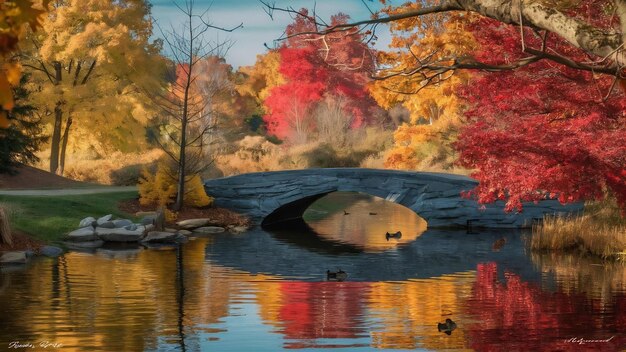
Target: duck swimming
[
  {"x": 336, "y": 276},
  {"x": 446, "y": 327},
  {"x": 397, "y": 235},
  {"x": 345, "y": 212}
]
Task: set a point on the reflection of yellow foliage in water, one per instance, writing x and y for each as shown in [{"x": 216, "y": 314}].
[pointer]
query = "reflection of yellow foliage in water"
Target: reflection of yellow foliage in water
[
  {"x": 112, "y": 301},
  {"x": 368, "y": 222},
  {"x": 410, "y": 311},
  {"x": 269, "y": 299},
  {"x": 576, "y": 274}
]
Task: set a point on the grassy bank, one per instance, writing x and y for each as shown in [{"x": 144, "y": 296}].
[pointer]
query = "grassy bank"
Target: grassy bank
[
  {"x": 48, "y": 218},
  {"x": 600, "y": 231}
]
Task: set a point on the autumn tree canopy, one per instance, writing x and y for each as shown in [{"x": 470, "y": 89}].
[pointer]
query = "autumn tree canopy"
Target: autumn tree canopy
[
  {"x": 332, "y": 68},
  {"x": 85, "y": 66},
  {"x": 542, "y": 130},
  {"x": 546, "y": 114}
]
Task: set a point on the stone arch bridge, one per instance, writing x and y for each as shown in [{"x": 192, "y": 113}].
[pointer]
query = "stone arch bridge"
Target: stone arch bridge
[{"x": 280, "y": 197}]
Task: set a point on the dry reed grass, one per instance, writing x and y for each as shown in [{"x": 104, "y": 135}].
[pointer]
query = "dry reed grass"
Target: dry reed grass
[{"x": 599, "y": 231}]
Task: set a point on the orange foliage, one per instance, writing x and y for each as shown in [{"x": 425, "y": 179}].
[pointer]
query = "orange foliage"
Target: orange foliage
[
  {"x": 430, "y": 98},
  {"x": 15, "y": 17}
]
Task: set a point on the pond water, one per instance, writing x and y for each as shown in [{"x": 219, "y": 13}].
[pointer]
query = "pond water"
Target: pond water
[{"x": 267, "y": 291}]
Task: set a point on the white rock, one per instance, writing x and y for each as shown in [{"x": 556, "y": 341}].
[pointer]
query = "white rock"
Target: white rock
[
  {"x": 88, "y": 221},
  {"x": 209, "y": 229},
  {"x": 82, "y": 235},
  {"x": 107, "y": 224},
  {"x": 18, "y": 257},
  {"x": 160, "y": 237},
  {"x": 122, "y": 223},
  {"x": 120, "y": 235},
  {"x": 104, "y": 219},
  {"x": 193, "y": 223}
]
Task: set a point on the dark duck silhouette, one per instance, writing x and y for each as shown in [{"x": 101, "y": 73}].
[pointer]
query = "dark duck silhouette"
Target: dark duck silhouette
[
  {"x": 498, "y": 244},
  {"x": 372, "y": 213},
  {"x": 336, "y": 276},
  {"x": 397, "y": 235},
  {"x": 345, "y": 212},
  {"x": 446, "y": 327}
]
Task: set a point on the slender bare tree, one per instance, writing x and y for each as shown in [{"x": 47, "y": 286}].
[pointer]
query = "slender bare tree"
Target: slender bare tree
[{"x": 185, "y": 112}]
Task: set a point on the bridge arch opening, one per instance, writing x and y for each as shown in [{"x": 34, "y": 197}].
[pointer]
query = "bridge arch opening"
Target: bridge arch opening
[{"x": 348, "y": 218}]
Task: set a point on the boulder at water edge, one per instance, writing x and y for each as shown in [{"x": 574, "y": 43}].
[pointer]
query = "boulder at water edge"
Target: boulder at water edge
[
  {"x": 160, "y": 237},
  {"x": 18, "y": 257},
  {"x": 120, "y": 235},
  {"x": 51, "y": 251},
  {"x": 193, "y": 223},
  {"x": 82, "y": 235},
  {"x": 208, "y": 230}
]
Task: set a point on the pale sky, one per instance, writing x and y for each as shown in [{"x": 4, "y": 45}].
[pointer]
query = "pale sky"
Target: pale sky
[{"x": 258, "y": 27}]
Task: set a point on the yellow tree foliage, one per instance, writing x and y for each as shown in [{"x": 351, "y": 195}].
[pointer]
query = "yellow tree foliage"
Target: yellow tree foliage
[
  {"x": 261, "y": 77},
  {"x": 86, "y": 66},
  {"x": 160, "y": 188},
  {"x": 434, "y": 107},
  {"x": 15, "y": 18}
]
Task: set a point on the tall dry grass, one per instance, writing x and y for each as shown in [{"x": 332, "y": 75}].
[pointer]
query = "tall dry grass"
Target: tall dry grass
[
  {"x": 255, "y": 153},
  {"x": 600, "y": 231},
  {"x": 121, "y": 169}
]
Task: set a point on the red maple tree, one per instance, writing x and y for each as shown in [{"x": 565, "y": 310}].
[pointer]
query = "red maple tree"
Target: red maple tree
[
  {"x": 543, "y": 130},
  {"x": 317, "y": 67}
]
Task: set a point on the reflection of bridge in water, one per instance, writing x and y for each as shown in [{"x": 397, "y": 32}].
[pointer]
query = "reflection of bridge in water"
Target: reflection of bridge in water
[
  {"x": 279, "y": 197},
  {"x": 304, "y": 256}
]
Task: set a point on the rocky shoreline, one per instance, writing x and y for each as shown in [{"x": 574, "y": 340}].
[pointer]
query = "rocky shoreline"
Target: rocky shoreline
[{"x": 149, "y": 232}]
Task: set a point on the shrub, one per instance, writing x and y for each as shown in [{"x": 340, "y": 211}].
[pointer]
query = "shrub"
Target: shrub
[
  {"x": 159, "y": 188},
  {"x": 126, "y": 176}
]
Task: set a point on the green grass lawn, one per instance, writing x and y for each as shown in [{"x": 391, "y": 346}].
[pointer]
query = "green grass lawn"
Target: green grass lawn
[{"x": 49, "y": 218}]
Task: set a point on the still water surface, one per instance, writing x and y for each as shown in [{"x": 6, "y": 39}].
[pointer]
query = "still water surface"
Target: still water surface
[{"x": 263, "y": 291}]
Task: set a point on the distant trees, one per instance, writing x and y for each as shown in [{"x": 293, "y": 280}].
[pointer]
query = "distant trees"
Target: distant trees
[{"x": 330, "y": 69}]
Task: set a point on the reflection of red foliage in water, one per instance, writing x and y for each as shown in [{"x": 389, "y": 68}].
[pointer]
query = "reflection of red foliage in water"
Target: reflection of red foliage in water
[
  {"x": 312, "y": 310},
  {"x": 519, "y": 316}
]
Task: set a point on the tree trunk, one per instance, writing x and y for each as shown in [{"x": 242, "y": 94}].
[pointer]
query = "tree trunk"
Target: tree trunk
[
  {"x": 178, "y": 205},
  {"x": 66, "y": 134},
  {"x": 5, "y": 229},
  {"x": 56, "y": 138}
]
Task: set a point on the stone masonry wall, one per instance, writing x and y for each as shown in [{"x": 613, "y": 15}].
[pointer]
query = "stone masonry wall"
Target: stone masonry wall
[{"x": 435, "y": 197}]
